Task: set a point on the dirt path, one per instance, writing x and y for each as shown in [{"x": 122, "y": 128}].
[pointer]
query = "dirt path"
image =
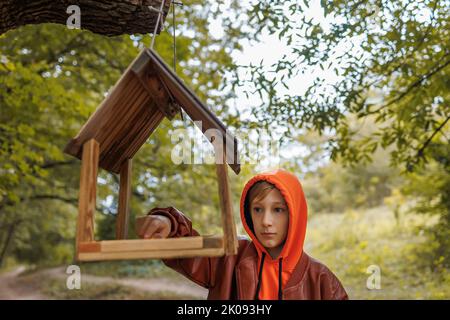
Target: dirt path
[
  {"x": 11, "y": 286},
  {"x": 12, "y": 289},
  {"x": 179, "y": 286}
]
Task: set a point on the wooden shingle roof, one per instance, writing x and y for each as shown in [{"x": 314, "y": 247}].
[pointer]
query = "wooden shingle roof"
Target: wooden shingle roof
[{"x": 147, "y": 92}]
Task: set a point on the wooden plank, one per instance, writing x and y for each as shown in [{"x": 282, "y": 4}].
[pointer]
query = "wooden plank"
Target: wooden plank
[
  {"x": 131, "y": 126},
  {"x": 120, "y": 112},
  {"x": 152, "y": 117},
  {"x": 140, "y": 64},
  {"x": 157, "y": 91},
  {"x": 112, "y": 125},
  {"x": 124, "y": 200},
  {"x": 112, "y": 121},
  {"x": 115, "y": 93},
  {"x": 124, "y": 111},
  {"x": 93, "y": 246},
  {"x": 130, "y": 143},
  {"x": 229, "y": 226},
  {"x": 88, "y": 190},
  {"x": 100, "y": 116},
  {"x": 208, "y": 242},
  {"x": 152, "y": 244},
  {"x": 160, "y": 254},
  {"x": 212, "y": 242}
]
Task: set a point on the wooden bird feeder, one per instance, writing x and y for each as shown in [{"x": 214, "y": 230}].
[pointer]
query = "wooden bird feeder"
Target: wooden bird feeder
[{"x": 147, "y": 92}]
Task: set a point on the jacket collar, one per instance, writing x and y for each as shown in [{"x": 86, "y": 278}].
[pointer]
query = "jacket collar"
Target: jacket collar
[{"x": 247, "y": 273}]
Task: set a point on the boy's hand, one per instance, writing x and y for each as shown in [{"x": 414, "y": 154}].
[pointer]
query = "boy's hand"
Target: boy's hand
[{"x": 154, "y": 227}]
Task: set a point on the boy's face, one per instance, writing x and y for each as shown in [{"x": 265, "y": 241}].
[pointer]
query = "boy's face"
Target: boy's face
[{"x": 270, "y": 218}]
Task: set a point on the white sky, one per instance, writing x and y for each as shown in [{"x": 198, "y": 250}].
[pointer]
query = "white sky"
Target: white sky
[{"x": 271, "y": 49}]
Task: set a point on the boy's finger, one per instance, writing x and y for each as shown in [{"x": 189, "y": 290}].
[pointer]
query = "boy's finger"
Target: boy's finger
[
  {"x": 151, "y": 229},
  {"x": 148, "y": 222},
  {"x": 142, "y": 228}
]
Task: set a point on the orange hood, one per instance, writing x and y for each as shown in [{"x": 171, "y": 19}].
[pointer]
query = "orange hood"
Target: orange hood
[{"x": 271, "y": 279}]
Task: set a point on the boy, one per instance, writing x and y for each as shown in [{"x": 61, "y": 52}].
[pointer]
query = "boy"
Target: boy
[{"x": 271, "y": 266}]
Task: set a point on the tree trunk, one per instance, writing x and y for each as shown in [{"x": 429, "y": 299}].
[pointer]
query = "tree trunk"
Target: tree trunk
[
  {"x": 11, "y": 229},
  {"x": 104, "y": 17}
]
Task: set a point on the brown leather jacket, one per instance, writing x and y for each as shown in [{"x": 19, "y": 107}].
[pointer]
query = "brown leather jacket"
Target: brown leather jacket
[{"x": 236, "y": 277}]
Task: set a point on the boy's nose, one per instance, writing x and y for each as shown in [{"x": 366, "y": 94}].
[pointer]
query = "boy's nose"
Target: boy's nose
[{"x": 267, "y": 220}]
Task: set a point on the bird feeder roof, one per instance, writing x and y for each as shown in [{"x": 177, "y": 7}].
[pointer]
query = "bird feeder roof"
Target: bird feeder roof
[{"x": 147, "y": 92}]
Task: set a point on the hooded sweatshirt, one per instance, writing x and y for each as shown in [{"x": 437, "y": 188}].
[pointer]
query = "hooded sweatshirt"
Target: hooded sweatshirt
[
  {"x": 273, "y": 274},
  {"x": 236, "y": 276}
]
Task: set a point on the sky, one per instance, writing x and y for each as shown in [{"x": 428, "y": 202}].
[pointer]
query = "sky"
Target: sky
[{"x": 271, "y": 49}]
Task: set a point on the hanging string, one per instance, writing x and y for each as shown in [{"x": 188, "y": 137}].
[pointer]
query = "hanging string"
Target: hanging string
[
  {"x": 174, "y": 35},
  {"x": 174, "y": 41},
  {"x": 160, "y": 13},
  {"x": 175, "y": 46}
]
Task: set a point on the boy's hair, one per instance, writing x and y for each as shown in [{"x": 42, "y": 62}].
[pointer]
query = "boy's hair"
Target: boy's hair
[{"x": 256, "y": 193}]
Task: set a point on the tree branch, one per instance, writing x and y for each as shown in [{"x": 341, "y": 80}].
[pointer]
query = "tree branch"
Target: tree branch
[
  {"x": 413, "y": 85},
  {"x": 411, "y": 53},
  {"x": 57, "y": 164},
  {"x": 73, "y": 201},
  {"x": 427, "y": 142},
  {"x": 104, "y": 17}
]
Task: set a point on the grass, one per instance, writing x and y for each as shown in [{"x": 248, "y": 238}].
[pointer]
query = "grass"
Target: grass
[
  {"x": 347, "y": 243},
  {"x": 129, "y": 269},
  {"x": 55, "y": 288},
  {"x": 351, "y": 242}
]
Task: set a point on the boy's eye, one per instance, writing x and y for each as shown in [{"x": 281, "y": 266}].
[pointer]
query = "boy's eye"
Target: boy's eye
[
  {"x": 256, "y": 209},
  {"x": 279, "y": 210}
]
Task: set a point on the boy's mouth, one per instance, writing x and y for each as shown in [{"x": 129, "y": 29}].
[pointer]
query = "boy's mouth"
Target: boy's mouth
[{"x": 268, "y": 234}]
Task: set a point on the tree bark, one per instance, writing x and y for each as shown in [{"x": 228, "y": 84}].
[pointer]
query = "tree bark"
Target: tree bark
[
  {"x": 9, "y": 236},
  {"x": 106, "y": 17}
]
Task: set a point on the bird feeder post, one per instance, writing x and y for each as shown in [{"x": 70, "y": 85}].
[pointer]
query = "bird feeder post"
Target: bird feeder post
[
  {"x": 124, "y": 200},
  {"x": 226, "y": 208},
  {"x": 88, "y": 193}
]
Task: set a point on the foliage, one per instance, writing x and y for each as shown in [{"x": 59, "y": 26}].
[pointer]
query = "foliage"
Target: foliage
[
  {"x": 391, "y": 63},
  {"x": 51, "y": 80},
  {"x": 431, "y": 188},
  {"x": 389, "y": 97},
  {"x": 351, "y": 242}
]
